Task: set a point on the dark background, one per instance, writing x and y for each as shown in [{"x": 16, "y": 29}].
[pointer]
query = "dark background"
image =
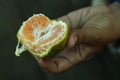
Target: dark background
[{"x": 13, "y": 13}]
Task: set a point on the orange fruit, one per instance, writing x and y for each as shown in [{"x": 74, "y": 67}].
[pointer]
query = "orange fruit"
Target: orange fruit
[{"x": 41, "y": 36}]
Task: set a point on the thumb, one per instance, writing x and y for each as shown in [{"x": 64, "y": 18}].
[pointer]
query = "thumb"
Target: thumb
[
  {"x": 85, "y": 40},
  {"x": 81, "y": 36}
]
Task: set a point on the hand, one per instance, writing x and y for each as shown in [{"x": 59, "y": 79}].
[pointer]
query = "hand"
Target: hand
[{"x": 91, "y": 29}]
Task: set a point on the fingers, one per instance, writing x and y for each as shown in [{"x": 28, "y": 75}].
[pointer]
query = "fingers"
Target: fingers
[
  {"x": 63, "y": 61},
  {"x": 88, "y": 50},
  {"x": 47, "y": 64},
  {"x": 77, "y": 18},
  {"x": 60, "y": 63},
  {"x": 80, "y": 36},
  {"x": 85, "y": 40},
  {"x": 54, "y": 65},
  {"x": 72, "y": 19},
  {"x": 83, "y": 36},
  {"x": 98, "y": 29}
]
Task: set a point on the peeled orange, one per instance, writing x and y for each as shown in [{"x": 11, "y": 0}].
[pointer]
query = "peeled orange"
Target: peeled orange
[{"x": 42, "y": 36}]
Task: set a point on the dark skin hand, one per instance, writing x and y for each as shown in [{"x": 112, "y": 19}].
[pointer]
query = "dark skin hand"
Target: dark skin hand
[{"x": 91, "y": 29}]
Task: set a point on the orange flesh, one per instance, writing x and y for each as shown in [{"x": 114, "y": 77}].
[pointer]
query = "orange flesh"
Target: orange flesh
[
  {"x": 56, "y": 31},
  {"x": 40, "y": 22},
  {"x": 34, "y": 22}
]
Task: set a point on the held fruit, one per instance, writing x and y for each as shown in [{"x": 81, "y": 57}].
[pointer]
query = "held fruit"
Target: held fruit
[{"x": 41, "y": 36}]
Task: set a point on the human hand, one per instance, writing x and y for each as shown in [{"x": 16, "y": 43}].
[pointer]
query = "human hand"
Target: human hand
[{"x": 91, "y": 29}]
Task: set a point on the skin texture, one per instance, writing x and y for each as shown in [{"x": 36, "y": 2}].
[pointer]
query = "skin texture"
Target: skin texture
[{"x": 91, "y": 29}]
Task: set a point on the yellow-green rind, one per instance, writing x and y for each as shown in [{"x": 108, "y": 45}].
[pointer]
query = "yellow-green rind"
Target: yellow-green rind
[{"x": 54, "y": 49}]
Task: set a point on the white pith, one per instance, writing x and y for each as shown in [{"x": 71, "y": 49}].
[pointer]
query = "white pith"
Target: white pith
[{"x": 38, "y": 37}]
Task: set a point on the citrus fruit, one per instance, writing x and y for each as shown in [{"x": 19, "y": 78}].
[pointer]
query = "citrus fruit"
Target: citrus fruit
[{"x": 42, "y": 36}]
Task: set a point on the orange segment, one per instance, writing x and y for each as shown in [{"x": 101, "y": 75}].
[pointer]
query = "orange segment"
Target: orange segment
[
  {"x": 38, "y": 21},
  {"x": 27, "y": 32}
]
